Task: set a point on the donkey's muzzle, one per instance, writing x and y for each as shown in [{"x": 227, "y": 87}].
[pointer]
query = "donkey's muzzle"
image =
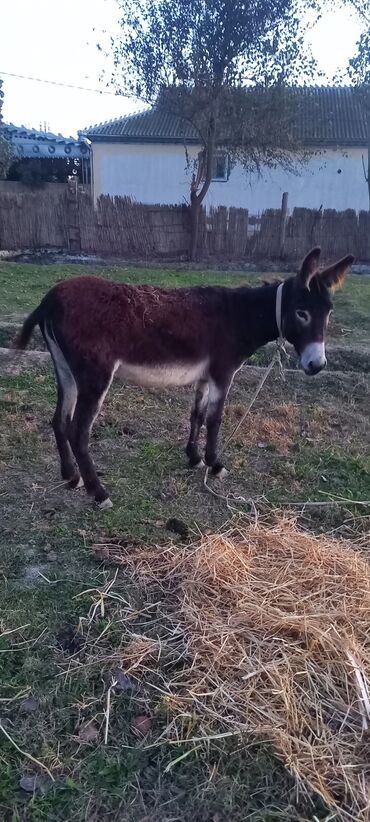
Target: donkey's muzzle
[
  {"x": 314, "y": 368},
  {"x": 313, "y": 358}
]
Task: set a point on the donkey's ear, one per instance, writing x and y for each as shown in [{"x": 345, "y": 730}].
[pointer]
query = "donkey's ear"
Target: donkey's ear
[
  {"x": 309, "y": 267},
  {"x": 333, "y": 276}
]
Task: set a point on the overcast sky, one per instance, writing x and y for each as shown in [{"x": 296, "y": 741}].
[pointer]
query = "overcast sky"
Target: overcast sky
[{"x": 57, "y": 41}]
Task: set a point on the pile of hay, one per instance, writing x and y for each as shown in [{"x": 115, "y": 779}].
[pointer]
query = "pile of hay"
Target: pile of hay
[{"x": 274, "y": 626}]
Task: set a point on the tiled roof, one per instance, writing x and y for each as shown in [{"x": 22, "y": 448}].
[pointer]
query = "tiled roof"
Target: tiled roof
[
  {"x": 33, "y": 133},
  {"x": 330, "y": 115},
  {"x": 152, "y": 124},
  {"x": 325, "y": 115},
  {"x": 29, "y": 142}
]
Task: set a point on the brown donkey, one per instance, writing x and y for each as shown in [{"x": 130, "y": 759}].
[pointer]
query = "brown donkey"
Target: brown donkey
[{"x": 95, "y": 330}]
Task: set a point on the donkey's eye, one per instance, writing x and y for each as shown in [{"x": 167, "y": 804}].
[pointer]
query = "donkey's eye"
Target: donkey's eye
[{"x": 304, "y": 317}]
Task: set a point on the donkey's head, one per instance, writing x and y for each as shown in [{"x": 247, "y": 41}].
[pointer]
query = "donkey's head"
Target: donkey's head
[{"x": 308, "y": 306}]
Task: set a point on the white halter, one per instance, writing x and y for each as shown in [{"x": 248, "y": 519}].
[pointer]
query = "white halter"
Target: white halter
[{"x": 279, "y": 320}]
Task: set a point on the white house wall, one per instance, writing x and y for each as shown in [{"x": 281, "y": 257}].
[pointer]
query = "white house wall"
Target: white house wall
[{"x": 158, "y": 173}]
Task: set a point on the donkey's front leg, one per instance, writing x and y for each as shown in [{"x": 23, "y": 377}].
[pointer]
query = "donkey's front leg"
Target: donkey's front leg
[{"x": 217, "y": 395}]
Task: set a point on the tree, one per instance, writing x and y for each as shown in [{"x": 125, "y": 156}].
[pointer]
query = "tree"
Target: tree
[
  {"x": 223, "y": 66},
  {"x": 5, "y": 149},
  {"x": 359, "y": 70}
]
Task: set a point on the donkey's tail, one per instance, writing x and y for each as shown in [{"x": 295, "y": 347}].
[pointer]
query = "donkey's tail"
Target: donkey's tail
[{"x": 22, "y": 339}]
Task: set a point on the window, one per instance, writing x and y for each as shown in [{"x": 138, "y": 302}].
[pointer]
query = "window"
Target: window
[{"x": 220, "y": 167}]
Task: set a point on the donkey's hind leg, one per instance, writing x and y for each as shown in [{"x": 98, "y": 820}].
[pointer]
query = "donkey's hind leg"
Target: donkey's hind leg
[
  {"x": 67, "y": 397},
  {"x": 60, "y": 422},
  {"x": 197, "y": 417},
  {"x": 90, "y": 398}
]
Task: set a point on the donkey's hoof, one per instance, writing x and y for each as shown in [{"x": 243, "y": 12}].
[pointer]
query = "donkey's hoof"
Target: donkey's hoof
[
  {"x": 197, "y": 465},
  {"x": 75, "y": 482},
  {"x": 220, "y": 472},
  {"x": 105, "y": 504}
]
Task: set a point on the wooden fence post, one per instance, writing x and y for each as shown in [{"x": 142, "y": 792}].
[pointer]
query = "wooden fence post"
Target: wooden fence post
[
  {"x": 284, "y": 216},
  {"x": 73, "y": 227}
]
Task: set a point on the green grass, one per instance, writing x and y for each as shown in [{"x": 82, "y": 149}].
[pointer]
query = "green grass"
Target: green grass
[
  {"x": 48, "y": 576},
  {"x": 352, "y": 309},
  {"x": 22, "y": 285},
  {"x": 103, "y": 780},
  {"x": 334, "y": 471}
]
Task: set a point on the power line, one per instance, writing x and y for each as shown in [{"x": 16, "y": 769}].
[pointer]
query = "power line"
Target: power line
[{"x": 69, "y": 85}]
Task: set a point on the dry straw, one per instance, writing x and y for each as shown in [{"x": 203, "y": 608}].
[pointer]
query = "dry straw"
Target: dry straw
[{"x": 270, "y": 630}]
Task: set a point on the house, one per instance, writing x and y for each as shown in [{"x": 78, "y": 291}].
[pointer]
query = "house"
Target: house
[
  {"x": 51, "y": 157},
  {"x": 146, "y": 156}
]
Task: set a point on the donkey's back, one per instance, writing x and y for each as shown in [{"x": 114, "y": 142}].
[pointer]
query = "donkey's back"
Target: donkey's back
[{"x": 140, "y": 324}]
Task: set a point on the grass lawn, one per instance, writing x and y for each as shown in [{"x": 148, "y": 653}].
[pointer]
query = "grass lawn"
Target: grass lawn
[
  {"x": 306, "y": 439},
  {"x": 22, "y": 287}
]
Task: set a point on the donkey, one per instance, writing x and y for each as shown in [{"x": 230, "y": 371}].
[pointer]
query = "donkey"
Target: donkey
[{"x": 96, "y": 329}]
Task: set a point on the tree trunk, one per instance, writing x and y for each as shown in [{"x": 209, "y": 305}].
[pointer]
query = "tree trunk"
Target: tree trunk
[
  {"x": 195, "y": 198},
  {"x": 194, "y": 227},
  {"x": 284, "y": 217}
]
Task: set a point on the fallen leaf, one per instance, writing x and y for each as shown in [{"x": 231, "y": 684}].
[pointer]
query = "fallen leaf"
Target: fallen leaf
[
  {"x": 141, "y": 725},
  {"x": 123, "y": 683},
  {"x": 88, "y": 732},
  {"x": 49, "y": 512},
  {"x": 35, "y": 783},
  {"x": 177, "y": 526},
  {"x": 101, "y": 553},
  {"x": 29, "y": 705}
]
